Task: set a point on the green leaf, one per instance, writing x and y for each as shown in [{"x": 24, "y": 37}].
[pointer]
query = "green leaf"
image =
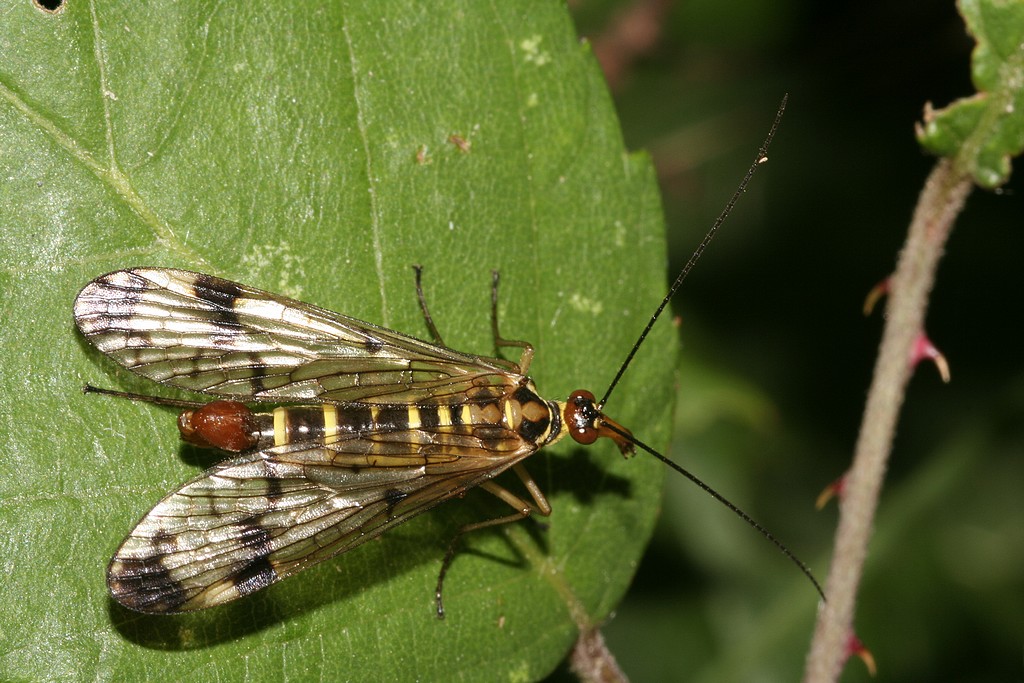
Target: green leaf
[
  {"x": 985, "y": 131},
  {"x": 307, "y": 149}
]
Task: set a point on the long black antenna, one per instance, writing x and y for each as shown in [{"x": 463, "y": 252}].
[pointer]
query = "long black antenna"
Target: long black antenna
[
  {"x": 721, "y": 499},
  {"x": 762, "y": 156}
]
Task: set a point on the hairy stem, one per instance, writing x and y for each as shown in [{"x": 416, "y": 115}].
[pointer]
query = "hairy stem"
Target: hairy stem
[
  {"x": 593, "y": 662},
  {"x": 940, "y": 202}
]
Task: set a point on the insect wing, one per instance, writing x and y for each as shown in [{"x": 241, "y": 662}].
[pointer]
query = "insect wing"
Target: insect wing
[
  {"x": 265, "y": 515},
  {"x": 206, "y": 334}
]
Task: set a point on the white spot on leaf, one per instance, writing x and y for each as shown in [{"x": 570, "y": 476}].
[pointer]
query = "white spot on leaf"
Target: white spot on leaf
[
  {"x": 532, "y": 52},
  {"x": 585, "y": 304}
]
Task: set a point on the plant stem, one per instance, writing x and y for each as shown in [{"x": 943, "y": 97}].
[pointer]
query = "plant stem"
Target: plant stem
[
  {"x": 943, "y": 197},
  {"x": 593, "y": 662}
]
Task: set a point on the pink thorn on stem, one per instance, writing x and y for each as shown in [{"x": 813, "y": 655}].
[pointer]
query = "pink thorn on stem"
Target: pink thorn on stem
[
  {"x": 833, "y": 490},
  {"x": 925, "y": 350},
  {"x": 876, "y": 293},
  {"x": 854, "y": 646}
]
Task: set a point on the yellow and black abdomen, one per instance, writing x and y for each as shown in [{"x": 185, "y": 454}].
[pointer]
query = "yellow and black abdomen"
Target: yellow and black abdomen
[{"x": 500, "y": 420}]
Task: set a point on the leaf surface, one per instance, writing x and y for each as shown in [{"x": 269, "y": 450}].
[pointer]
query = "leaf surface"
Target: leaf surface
[
  {"x": 985, "y": 131},
  {"x": 308, "y": 150}
]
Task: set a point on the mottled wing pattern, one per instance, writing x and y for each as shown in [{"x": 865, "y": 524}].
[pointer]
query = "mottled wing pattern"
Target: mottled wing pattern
[
  {"x": 206, "y": 334},
  {"x": 264, "y": 515}
]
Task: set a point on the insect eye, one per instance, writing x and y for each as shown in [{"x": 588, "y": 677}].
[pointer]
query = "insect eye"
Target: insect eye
[{"x": 580, "y": 414}]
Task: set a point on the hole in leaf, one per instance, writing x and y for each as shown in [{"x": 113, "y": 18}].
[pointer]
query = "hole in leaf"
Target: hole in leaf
[{"x": 49, "y": 6}]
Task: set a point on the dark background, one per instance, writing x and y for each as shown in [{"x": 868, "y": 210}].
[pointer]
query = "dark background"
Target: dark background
[{"x": 778, "y": 356}]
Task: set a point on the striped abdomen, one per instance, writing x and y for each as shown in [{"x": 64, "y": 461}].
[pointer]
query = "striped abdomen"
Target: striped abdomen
[{"x": 488, "y": 414}]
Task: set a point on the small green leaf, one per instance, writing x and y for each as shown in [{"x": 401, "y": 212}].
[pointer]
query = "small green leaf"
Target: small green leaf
[
  {"x": 985, "y": 131},
  {"x": 308, "y": 149}
]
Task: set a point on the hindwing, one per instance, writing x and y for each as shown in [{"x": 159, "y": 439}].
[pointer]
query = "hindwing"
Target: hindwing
[{"x": 264, "y": 515}]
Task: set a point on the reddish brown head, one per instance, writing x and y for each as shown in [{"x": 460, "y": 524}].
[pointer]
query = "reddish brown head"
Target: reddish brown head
[{"x": 586, "y": 423}]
